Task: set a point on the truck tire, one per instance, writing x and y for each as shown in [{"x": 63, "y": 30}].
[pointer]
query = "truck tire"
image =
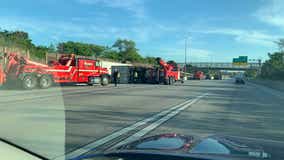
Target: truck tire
[
  {"x": 45, "y": 81},
  {"x": 90, "y": 81},
  {"x": 172, "y": 80},
  {"x": 29, "y": 82},
  {"x": 104, "y": 80},
  {"x": 166, "y": 82}
]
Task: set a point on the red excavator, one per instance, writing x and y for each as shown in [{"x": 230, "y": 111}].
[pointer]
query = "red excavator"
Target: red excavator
[{"x": 20, "y": 70}]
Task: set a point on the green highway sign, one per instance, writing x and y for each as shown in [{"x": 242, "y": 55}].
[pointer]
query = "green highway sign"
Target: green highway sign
[{"x": 241, "y": 60}]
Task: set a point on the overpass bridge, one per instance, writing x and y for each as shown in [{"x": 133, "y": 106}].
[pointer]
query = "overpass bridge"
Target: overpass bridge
[{"x": 224, "y": 65}]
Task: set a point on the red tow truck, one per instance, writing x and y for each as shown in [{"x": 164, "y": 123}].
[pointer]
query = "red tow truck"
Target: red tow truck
[
  {"x": 2, "y": 76},
  {"x": 168, "y": 74},
  {"x": 68, "y": 69},
  {"x": 199, "y": 75}
]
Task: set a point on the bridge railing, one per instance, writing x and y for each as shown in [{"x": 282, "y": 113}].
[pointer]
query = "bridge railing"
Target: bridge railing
[{"x": 224, "y": 65}]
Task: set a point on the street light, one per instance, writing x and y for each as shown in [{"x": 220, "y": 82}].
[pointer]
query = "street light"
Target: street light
[{"x": 185, "y": 52}]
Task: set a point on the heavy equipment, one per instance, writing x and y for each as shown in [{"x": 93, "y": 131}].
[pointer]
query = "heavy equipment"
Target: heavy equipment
[
  {"x": 167, "y": 73},
  {"x": 68, "y": 69}
]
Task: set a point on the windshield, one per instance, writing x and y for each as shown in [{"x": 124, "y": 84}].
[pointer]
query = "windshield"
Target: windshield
[{"x": 92, "y": 76}]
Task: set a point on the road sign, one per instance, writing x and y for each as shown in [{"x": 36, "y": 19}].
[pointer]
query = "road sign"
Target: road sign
[{"x": 241, "y": 60}]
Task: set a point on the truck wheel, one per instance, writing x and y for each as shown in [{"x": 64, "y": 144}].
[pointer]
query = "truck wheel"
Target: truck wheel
[
  {"x": 172, "y": 80},
  {"x": 29, "y": 82},
  {"x": 45, "y": 81},
  {"x": 90, "y": 81},
  {"x": 166, "y": 82},
  {"x": 104, "y": 80}
]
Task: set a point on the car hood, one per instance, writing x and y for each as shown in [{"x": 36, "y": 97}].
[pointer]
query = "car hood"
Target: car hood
[{"x": 216, "y": 145}]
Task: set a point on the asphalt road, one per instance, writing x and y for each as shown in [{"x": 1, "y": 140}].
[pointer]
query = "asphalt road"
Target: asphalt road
[{"x": 74, "y": 119}]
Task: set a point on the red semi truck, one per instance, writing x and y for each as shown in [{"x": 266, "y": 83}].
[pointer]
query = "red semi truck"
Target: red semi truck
[{"x": 68, "y": 69}]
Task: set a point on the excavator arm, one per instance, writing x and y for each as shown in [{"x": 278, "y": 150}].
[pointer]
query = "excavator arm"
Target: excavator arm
[{"x": 165, "y": 65}]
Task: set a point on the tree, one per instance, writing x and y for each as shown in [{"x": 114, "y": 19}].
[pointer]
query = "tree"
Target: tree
[
  {"x": 110, "y": 54},
  {"x": 39, "y": 52},
  {"x": 127, "y": 50},
  {"x": 280, "y": 44},
  {"x": 251, "y": 73},
  {"x": 79, "y": 48},
  {"x": 15, "y": 39},
  {"x": 51, "y": 48},
  {"x": 21, "y": 40},
  {"x": 274, "y": 67},
  {"x": 150, "y": 60}
]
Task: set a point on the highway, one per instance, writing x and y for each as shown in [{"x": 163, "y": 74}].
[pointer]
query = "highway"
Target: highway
[{"x": 75, "y": 119}]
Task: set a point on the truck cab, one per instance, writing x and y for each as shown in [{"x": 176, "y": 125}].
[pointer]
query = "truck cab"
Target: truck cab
[{"x": 71, "y": 69}]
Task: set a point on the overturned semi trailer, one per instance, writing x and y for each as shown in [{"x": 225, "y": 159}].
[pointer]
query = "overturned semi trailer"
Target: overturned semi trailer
[{"x": 136, "y": 74}]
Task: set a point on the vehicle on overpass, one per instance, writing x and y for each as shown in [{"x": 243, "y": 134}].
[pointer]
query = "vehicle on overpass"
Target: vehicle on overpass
[{"x": 68, "y": 69}]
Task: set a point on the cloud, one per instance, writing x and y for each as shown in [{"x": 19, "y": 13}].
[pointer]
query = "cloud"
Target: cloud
[
  {"x": 134, "y": 6},
  {"x": 94, "y": 32},
  {"x": 245, "y": 36},
  {"x": 272, "y": 13},
  {"x": 193, "y": 54},
  {"x": 57, "y": 31},
  {"x": 200, "y": 53}
]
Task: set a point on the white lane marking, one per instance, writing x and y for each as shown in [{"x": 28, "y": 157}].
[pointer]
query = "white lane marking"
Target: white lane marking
[
  {"x": 157, "y": 123},
  {"x": 114, "y": 135}
]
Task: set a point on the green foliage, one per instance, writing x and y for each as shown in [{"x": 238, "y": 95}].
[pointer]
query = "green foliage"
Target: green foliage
[
  {"x": 39, "y": 52},
  {"x": 150, "y": 60},
  {"x": 122, "y": 50},
  {"x": 280, "y": 44},
  {"x": 274, "y": 67},
  {"x": 78, "y": 48},
  {"x": 110, "y": 54},
  {"x": 127, "y": 50},
  {"x": 173, "y": 63},
  {"x": 21, "y": 40},
  {"x": 251, "y": 73},
  {"x": 51, "y": 48},
  {"x": 15, "y": 39}
]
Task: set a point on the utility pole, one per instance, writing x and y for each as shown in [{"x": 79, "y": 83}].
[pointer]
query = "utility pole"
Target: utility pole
[{"x": 185, "y": 52}]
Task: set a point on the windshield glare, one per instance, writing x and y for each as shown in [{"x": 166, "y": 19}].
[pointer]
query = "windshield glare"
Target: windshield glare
[{"x": 188, "y": 77}]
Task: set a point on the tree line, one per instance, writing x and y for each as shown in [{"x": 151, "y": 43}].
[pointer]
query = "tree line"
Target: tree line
[
  {"x": 273, "y": 68},
  {"x": 21, "y": 40},
  {"x": 122, "y": 50}
]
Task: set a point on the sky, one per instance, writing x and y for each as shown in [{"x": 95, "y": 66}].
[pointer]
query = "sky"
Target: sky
[{"x": 216, "y": 30}]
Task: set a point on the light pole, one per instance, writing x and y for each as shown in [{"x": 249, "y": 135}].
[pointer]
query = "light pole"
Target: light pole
[{"x": 185, "y": 52}]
